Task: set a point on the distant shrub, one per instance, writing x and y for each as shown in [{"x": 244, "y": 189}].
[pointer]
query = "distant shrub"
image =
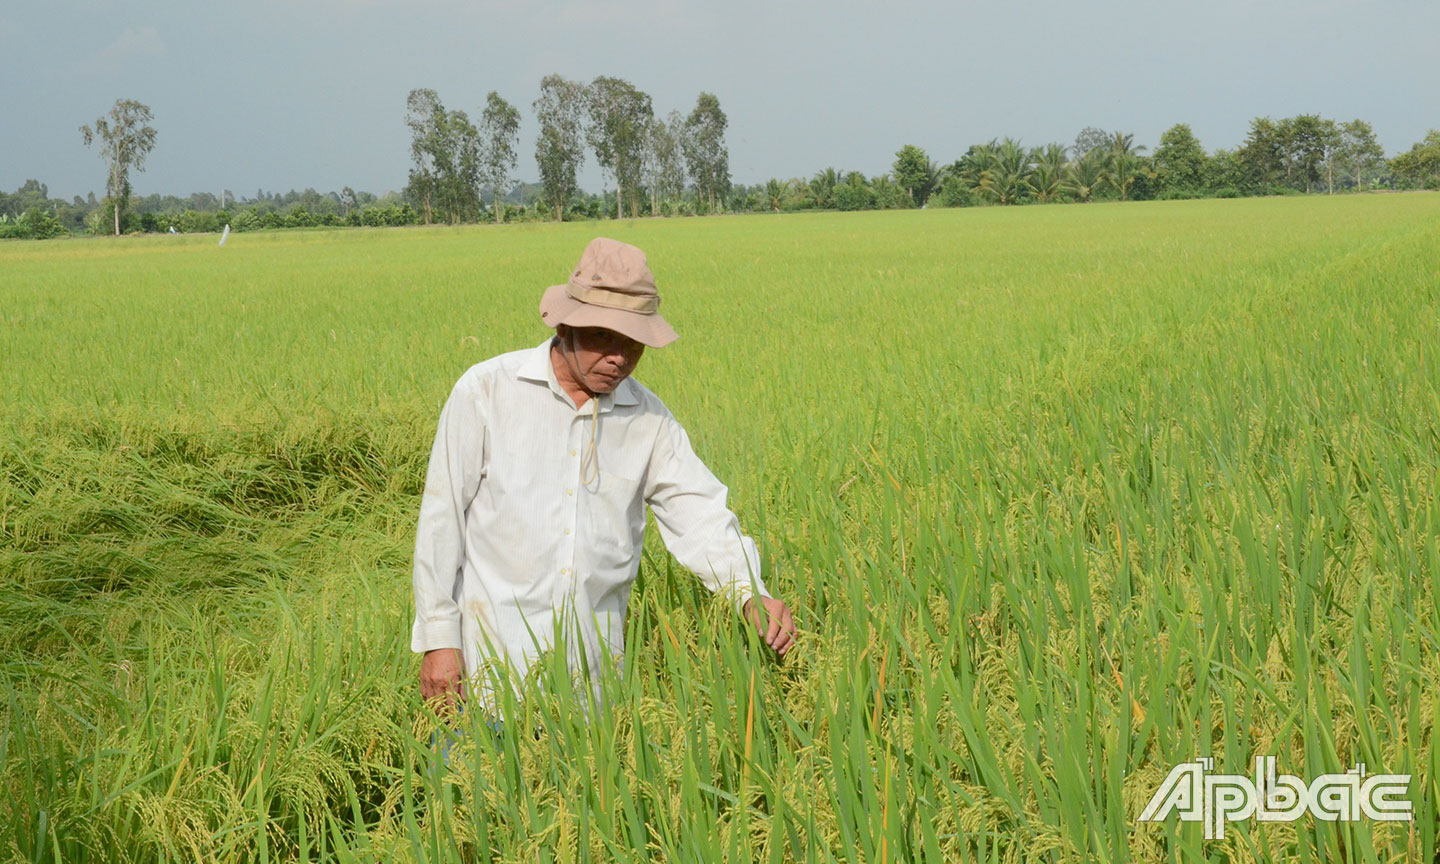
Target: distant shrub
[
  {"x": 196, "y": 221},
  {"x": 853, "y": 196},
  {"x": 953, "y": 193},
  {"x": 34, "y": 224},
  {"x": 245, "y": 220}
]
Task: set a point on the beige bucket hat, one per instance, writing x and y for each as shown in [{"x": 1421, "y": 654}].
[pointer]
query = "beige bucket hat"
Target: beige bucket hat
[{"x": 611, "y": 287}]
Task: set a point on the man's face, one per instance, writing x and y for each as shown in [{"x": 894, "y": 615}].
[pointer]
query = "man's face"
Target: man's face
[{"x": 600, "y": 358}]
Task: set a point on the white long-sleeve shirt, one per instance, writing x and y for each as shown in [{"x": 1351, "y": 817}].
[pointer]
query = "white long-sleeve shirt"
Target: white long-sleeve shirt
[{"x": 510, "y": 539}]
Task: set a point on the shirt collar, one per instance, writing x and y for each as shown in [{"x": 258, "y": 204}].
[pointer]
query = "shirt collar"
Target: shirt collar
[{"x": 537, "y": 368}]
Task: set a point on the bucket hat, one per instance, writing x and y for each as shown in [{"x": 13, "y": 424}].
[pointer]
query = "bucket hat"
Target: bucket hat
[{"x": 612, "y": 287}]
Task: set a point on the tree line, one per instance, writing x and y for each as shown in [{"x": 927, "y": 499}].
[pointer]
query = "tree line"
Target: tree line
[
  {"x": 679, "y": 165},
  {"x": 1295, "y": 155},
  {"x": 646, "y": 157}
]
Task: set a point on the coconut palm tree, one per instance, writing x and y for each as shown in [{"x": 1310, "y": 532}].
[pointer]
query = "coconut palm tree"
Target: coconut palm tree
[
  {"x": 1121, "y": 163},
  {"x": 1048, "y": 177},
  {"x": 1085, "y": 175},
  {"x": 934, "y": 176},
  {"x": 1005, "y": 172},
  {"x": 775, "y": 194},
  {"x": 967, "y": 168},
  {"x": 823, "y": 187}
]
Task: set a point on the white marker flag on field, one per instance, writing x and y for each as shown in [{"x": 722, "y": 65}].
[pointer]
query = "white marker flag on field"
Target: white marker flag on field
[{"x": 225, "y": 235}]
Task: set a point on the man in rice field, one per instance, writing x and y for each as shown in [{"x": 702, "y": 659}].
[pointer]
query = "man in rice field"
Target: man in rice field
[{"x": 534, "y": 508}]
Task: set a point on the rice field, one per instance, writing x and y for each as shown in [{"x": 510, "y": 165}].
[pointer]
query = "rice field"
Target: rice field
[{"x": 1062, "y": 497}]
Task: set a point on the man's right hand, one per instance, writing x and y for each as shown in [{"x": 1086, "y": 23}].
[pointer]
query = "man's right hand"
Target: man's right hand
[{"x": 441, "y": 673}]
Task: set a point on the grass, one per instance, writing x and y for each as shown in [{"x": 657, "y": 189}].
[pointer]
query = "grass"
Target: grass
[{"x": 1062, "y": 497}]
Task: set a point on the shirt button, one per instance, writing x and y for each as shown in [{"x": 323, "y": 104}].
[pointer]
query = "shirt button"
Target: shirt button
[
  {"x": 567, "y": 530},
  {"x": 564, "y": 571},
  {"x": 569, "y": 491},
  {"x": 573, "y": 452}
]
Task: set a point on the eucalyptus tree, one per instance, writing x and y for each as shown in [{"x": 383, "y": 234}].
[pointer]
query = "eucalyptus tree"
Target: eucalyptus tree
[
  {"x": 500, "y": 138},
  {"x": 425, "y": 116},
  {"x": 560, "y": 147},
  {"x": 126, "y": 138},
  {"x": 1090, "y": 138},
  {"x": 664, "y": 164},
  {"x": 1359, "y": 157},
  {"x": 1308, "y": 142},
  {"x": 705, "y": 151},
  {"x": 459, "y": 163},
  {"x": 619, "y": 115}
]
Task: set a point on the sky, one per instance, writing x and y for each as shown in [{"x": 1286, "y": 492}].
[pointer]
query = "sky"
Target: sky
[{"x": 311, "y": 93}]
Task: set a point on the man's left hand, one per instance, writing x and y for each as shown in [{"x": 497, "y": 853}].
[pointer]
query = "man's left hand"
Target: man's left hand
[{"x": 772, "y": 620}]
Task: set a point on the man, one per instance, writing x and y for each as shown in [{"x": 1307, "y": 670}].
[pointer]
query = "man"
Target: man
[{"x": 534, "y": 508}]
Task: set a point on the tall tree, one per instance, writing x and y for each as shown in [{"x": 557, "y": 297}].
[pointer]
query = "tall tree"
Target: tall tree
[
  {"x": 459, "y": 160},
  {"x": 1091, "y": 138},
  {"x": 915, "y": 173},
  {"x": 1262, "y": 154},
  {"x": 619, "y": 115},
  {"x": 126, "y": 138},
  {"x": 500, "y": 136},
  {"x": 1179, "y": 161},
  {"x": 705, "y": 152},
  {"x": 425, "y": 116},
  {"x": 1420, "y": 165},
  {"x": 664, "y": 159},
  {"x": 1359, "y": 157},
  {"x": 560, "y": 148},
  {"x": 1306, "y": 142}
]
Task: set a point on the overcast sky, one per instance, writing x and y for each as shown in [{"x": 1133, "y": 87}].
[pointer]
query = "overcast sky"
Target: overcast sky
[{"x": 280, "y": 95}]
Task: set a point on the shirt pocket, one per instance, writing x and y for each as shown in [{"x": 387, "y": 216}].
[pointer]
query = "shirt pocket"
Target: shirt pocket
[{"x": 614, "y": 525}]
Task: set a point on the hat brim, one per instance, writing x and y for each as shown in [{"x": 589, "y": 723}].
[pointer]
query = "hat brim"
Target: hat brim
[{"x": 558, "y": 307}]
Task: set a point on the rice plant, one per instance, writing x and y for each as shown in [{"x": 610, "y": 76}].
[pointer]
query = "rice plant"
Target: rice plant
[{"x": 1062, "y": 497}]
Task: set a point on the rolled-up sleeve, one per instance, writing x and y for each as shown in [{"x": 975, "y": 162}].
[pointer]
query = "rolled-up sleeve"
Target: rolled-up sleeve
[
  {"x": 689, "y": 504},
  {"x": 457, "y": 462}
]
